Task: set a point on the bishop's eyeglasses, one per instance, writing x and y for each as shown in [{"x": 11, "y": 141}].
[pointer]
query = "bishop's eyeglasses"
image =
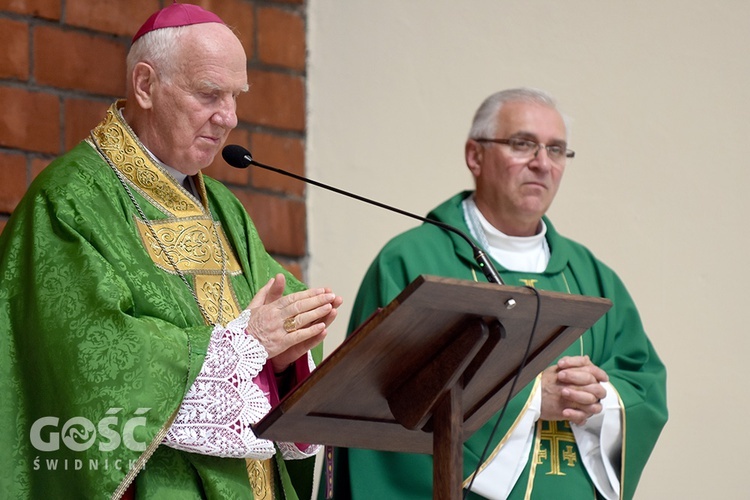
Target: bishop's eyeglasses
[{"x": 526, "y": 148}]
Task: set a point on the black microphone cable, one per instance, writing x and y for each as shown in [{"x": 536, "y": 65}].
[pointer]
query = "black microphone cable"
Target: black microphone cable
[
  {"x": 239, "y": 157},
  {"x": 510, "y": 393}
]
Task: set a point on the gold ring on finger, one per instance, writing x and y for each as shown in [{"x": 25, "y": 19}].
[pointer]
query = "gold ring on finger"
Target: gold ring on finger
[{"x": 290, "y": 324}]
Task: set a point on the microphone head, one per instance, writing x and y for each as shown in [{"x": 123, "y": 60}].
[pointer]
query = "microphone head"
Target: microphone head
[{"x": 236, "y": 156}]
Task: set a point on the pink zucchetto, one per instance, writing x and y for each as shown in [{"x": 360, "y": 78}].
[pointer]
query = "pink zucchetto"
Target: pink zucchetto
[{"x": 177, "y": 14}]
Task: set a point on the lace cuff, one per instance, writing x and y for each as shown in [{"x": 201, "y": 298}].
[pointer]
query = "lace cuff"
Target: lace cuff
[
  {"x": 217, "y": 411},
  {"x": 292, "y": 451}
]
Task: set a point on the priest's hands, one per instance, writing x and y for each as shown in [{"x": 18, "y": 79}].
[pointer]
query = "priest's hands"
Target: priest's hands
[
  {"x": 289, "y": 326},
  {"x": 572, "y": 390}
]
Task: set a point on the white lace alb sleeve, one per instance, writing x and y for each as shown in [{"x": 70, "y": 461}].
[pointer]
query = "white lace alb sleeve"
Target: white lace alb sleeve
[{"x": 217, "y": 411}]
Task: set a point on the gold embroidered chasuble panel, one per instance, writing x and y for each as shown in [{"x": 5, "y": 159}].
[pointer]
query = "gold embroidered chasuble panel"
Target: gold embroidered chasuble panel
[{"x": 188, "y": 239}]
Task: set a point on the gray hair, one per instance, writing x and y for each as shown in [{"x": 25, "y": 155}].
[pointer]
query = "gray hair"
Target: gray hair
[
  {"x": 485, "y": 118},
  {"x": 156, "y": 48}
]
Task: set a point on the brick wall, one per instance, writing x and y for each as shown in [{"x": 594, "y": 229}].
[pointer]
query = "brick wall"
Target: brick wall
[{"x": 63, "y": 63}]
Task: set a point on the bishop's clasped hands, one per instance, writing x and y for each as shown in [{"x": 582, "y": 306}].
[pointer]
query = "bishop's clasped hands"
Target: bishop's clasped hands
[{"x": 290, "y": 325}]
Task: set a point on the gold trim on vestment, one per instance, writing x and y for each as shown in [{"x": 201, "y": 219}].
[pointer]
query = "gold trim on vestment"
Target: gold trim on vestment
[
  {"x": 116, "y": 140},
  {"x": 554, "y": 436},
  {"x": 508, "y": 433},
  {"x": 261, "y": 474},
  {"x": 208, "y": 290},
  {"x": 196, "y": 244},
  {"x": 191, "y": 244},
  {"x": 532, "y": 468}
]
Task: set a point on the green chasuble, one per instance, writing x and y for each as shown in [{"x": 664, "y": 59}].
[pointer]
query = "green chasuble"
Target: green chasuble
[
  {"x": 617, "y": 343},
  {"x": 100, "y": 336}
]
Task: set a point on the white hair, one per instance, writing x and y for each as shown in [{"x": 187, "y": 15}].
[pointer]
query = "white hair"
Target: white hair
[
  {"x": 157, "y": 48},
  {"x": 484, "y": 123}
]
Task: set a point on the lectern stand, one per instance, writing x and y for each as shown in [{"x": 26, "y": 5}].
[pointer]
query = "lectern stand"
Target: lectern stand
[{"x": 428, "y": 370}]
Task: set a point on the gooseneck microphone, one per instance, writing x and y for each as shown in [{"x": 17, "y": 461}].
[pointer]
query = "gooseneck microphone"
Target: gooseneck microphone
[{"x": 239, "y": 157}]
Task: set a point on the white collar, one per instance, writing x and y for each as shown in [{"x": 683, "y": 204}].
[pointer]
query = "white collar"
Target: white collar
[{"x": 516, "y": 253}]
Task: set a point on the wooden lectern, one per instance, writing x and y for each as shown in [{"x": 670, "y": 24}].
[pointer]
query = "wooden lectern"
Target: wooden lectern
[{"x": 428, "y": 370}]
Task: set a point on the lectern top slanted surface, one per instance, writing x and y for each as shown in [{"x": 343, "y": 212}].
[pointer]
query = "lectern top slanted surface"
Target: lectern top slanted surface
[{"x": 344, "y": 402}]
